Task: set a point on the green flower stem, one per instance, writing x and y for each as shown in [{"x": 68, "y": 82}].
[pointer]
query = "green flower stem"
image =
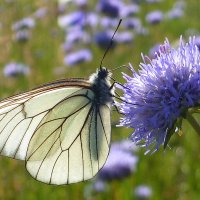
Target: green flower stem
[
  {"x": 193, "y": 122},
  {"x": 194, "y": 110}
]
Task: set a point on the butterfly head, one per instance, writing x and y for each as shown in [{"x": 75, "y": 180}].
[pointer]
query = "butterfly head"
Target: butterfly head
[{"x": 102, "y": 74}]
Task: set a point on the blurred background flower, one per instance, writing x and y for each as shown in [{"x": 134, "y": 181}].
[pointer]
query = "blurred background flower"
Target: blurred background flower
[
  {"x": 78, "y": 57},
  {"x": 104, "y": 21},
  {"x": 143, "y": 192},
  {"x": 25, "y": 23},
  {"x": 42, "y": 34},
  {"x": 121, "y": 163},
  {"x": 15, "y": 69},
  {"x": 154, "y": 17}
]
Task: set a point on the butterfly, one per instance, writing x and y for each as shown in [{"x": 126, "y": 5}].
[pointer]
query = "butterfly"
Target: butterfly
[{"x": 61, "y": 129}]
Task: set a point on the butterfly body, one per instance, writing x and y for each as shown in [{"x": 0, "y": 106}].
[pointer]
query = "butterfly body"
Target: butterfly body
[
  {"x": 101, "y": 86},
  {"x": 61, "y": 129}
]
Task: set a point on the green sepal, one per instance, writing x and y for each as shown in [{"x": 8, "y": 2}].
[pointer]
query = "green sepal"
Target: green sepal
[{"x": 177, "y": 125}]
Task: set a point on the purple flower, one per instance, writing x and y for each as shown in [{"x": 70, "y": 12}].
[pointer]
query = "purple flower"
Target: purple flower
[
  {"x": 153, "y": 1},
  {"x": 120, "y": 163},
  {"x": 197, "y": 41},
  {"x": 124, "y": 37},
  {"x": 13, "y": 69},
  {"x": 125, "y": 145},
  {"x": 179, "y": 4},
  {"x": 108, "y": 22},
  {"x": 77, "y": 35},
  {"x": 99, "y": 186},
  {"x": 80, "y": 56},
  {"x": 143, "y": 192},
  {"x": 102, "y": 39},
  {"x": 92, "y": 19},
  {"x": 157, "y": 97},
  {"x": 67, "y": 47},
  {"x": 175, "y": 13},
  {"x": 22, "y": 35},
  {"x": 41, "y": 12},
  {"x": 24, "y": 23},
  {"x": 128, "y": 10},
  {"x": 61, "y": 7},
  {"x": 72, "y": 19},
  {"x": 132, "y": 23},
  {"x": 140, "y": 30},
  {"x": 81, "y": 3},
  {"x": 154, "y": 17},
  {"x": 109, "y": 7},
  {"x": 154, "y": 51}
]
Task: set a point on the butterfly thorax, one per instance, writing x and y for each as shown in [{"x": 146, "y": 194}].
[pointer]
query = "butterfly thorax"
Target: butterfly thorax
[{"x": 101, "y": 86}]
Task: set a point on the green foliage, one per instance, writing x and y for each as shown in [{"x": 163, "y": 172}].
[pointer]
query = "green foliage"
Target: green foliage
[{"x": 172, "y": 174}]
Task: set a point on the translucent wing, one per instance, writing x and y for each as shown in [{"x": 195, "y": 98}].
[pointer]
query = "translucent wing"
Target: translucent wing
[
  {"x": 58, "y": 129},
  {"x": 71, "y": 143},
  {"x": 21, "y": 114}
]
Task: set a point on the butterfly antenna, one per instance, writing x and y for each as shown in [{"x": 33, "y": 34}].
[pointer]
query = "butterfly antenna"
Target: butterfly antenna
[
  {"x": 127, "y": 67},
  {"x": 110, "y": 44}
]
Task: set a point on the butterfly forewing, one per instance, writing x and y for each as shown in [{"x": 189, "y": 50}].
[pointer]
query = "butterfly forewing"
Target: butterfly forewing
[
  {"x": 21, "y": 114},
  {"x": 58, "y": 128}
]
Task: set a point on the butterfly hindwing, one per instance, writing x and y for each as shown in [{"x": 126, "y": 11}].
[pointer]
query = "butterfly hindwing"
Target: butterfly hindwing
[{"x": 71, "y": 143}]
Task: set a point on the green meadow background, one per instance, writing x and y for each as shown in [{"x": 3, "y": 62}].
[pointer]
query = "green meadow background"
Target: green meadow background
[{"x": 172, "y": 175}]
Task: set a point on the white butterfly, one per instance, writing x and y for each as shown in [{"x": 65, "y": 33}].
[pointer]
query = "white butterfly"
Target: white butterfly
[{"x": 62, "y": 129}]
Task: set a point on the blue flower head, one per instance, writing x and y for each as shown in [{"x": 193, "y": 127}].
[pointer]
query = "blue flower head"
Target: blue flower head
[
  {"x": 121, "y": 162},
  {"x": 158, "y": 95},
  {"x": 143, "y": 192}
]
